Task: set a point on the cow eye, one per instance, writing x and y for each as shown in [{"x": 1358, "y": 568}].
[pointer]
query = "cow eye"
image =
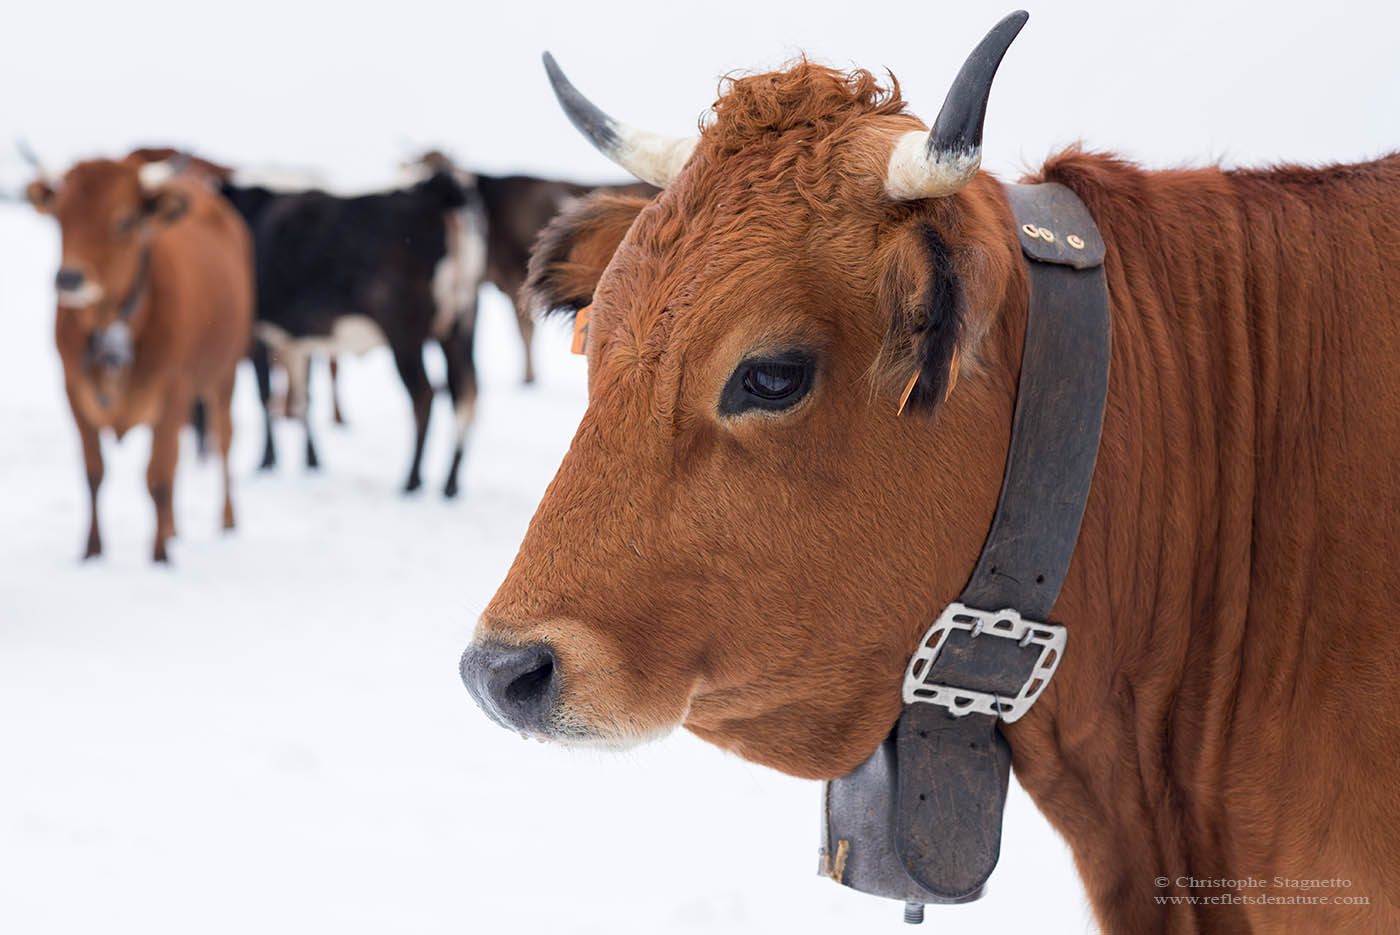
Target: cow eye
[
  {"x": 770, "y": 383},
  {"x": 127, "y": 223}
]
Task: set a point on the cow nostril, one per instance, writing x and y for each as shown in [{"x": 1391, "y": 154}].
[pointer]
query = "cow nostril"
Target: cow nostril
[
  {"x": 68, "y": 279},
  {"x": 529, "y": 686},
  {"x": 516, "y": 686}
]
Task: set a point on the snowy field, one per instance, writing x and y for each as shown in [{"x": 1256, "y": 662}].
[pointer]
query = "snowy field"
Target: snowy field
[{"x": 270, "y": 735}]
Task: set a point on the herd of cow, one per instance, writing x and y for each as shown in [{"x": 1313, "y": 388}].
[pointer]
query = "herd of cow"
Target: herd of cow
[
  {"x": 174, "y": 268},
  {"x": 753, "y": 528}
]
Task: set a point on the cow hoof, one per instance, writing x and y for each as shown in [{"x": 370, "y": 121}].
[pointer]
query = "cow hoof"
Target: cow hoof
[
  {"x": 228, "y": 520},
  {"x": 450, "y": 490},
  {"x": 93, "y": 551},
  {"x": 413, "y": 484},
  {"x": 269, "y": 462},
  {"x": 160, "y": 555}
]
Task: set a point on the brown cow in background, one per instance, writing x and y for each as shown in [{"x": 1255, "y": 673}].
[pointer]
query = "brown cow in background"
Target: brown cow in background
[
  {"x": 262, "y": 357},
  {"x": 746, "y": 538},
  {"x": 155, "y": 309},
  {"x": 516, "y": 208}
]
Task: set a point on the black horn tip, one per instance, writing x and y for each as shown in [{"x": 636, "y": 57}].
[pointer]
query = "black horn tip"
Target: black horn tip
[
  {"x": 552, "y": 67},
  {"x": 600, "y": 129},
  {"x": 958, "y": 128}
]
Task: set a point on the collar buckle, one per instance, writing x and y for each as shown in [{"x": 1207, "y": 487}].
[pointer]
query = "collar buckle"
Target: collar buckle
[{"x": 1002, "y": 624}]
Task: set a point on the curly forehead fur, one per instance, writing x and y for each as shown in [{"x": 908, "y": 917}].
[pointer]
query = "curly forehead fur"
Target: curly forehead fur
[
  {"x": 805, "y": 96},
  {"x": 810, "y": 124},
  {"x": 781, "y": 206}
]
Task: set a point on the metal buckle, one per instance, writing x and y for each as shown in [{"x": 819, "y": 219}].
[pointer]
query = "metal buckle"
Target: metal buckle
[{"x": 1006, "y": 624}]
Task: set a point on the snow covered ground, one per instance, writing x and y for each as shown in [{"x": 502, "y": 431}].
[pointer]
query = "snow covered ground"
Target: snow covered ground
[{"x": 270, "y": 735}]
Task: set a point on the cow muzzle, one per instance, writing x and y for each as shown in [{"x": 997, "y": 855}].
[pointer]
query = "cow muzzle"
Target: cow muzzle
[
  {"x": 517, "y": 686},
  {"x": 76, "y": 289}
]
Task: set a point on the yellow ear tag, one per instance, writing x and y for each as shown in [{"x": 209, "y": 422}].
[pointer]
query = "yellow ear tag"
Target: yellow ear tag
[
  {"x": 580, "y": 344},
  {"x": 914, "y": 381}
]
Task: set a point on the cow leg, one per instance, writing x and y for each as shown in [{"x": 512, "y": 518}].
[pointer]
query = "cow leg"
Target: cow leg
[
  {"x": 511, "y": 283},
  {"x": 461, "y": 382},
  {"x": 262, "y": 366},
  {"x": 526, "y": 323},
  {"x": 298, "y": 402},
  {"x": 409, "y": 359},
  {"x": 92, "y": 463},
  {"x": 199, "y": 418},
  {"x": 221, "y": 419},
  {"x": 335, "y": 391},
  {"x": 160, "y": 476}
]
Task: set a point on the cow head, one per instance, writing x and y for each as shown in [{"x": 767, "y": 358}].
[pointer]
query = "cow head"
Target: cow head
[
  {"x": 107, "y": 213},
  {"x": 746, "y": 537}
]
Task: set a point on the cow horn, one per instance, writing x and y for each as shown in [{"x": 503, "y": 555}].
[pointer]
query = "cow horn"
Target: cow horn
[
  {"x": 946, "y": 159},
  {"x": 153, "y": 175},
  {"x": 651, "y": 157},
  {"x": 28, "y": 154}
]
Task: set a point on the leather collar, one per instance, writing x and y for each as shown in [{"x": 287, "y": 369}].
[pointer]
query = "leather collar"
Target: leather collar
[
  {"x": 920, "y": 820},
  {"x": 138, "y": 286}
]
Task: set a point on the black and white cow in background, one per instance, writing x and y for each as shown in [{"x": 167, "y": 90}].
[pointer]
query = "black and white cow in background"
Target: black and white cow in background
[
  {"x": 515, "y": 209},
  {"x": 340, "y": 275}
]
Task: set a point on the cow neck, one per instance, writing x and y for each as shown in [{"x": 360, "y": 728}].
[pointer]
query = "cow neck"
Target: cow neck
[
  {"x": 920, "y": 820},
  {"x": 137, "y": 292}
]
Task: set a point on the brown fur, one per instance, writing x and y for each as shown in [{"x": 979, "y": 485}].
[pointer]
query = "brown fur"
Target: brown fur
[
  {"x": 1226, "y": 706},
  {"x": 189, "y": 329},
  {"x": 575, "y": 248}
]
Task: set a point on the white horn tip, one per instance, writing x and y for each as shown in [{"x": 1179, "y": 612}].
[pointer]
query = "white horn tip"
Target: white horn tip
[
  {"x": 652, "y": 157},
  {"x": 916, "y": 173},
  {"x": 155, "y": 174}
]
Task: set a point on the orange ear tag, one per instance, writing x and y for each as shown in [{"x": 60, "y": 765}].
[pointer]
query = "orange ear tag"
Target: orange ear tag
[
  {"x": 914, "y": 381},
  {"x": 580, "y": 344},
  {"x": 908, "y": 388}
]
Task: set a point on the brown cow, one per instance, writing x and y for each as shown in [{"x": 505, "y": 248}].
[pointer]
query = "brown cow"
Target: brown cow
[
  {"x": 747, "y": 540},
  {"x": 263, "y": 358},
  {"x": 155, "y": 308}
]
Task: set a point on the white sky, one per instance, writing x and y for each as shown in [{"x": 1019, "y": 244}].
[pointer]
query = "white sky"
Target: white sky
[{"x": 349, "y": 88}]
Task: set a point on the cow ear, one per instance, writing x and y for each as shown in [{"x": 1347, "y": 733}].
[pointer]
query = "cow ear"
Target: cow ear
[
  {"x": 945, "y": 275},
  {"x": 166, "y": 206},
  {"x": 572, "y": 251},
  {"x": 40, "y": 194},
  {"x": 924, "y": 294}
]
